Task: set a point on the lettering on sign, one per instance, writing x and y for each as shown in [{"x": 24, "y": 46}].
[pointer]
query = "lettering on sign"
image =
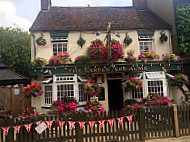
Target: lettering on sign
[{"x": 137, "y": 68}]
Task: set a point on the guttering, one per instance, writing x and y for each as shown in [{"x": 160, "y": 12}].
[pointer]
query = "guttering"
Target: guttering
[{"x": 34, "y": 44}]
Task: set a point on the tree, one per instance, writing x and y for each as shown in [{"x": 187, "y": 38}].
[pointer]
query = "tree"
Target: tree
[
  {"x": 183, "y": 30},
  {"x": 15, "y": 49}
]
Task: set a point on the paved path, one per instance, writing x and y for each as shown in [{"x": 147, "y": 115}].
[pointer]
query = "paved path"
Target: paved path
[{"x": 180, "y": 139}]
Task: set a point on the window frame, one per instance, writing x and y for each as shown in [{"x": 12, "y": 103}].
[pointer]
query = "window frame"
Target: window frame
[
  {"x": 59, "y": 40},
  {"x": 146, "y": 39}
]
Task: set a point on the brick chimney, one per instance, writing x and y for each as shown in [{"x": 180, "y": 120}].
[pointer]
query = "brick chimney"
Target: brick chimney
[
  {"x": 140, "y": 4},
  {"x": 45, "y": 5}
]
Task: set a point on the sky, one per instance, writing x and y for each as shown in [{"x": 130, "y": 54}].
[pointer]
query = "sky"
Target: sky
[{"x": 22, "y": 13}]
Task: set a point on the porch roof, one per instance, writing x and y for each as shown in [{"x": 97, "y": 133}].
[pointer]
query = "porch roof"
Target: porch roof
[{"x": 107, "y": 68}]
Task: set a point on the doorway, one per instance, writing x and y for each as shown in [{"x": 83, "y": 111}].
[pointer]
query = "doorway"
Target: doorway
[{"x": 115, "y": 94}]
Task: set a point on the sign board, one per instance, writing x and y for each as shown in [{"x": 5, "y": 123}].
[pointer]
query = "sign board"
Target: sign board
[
  {"x": 16, "y": 91},
  {"x": 93, "y": 99},
  {"x": 41, "y": 128}
]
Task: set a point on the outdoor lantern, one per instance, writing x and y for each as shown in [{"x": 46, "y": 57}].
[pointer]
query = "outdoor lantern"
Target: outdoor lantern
[{"x": 99, "y": 79}]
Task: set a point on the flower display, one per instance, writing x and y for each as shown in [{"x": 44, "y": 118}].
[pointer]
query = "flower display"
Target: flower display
[
  {"x": 130, "y": 84},
  {"x": 156, "y": 98},
  {"x": 92, "y": 88},
  {"x": 67, "y": 104},
  {"x": 38, "y": 63},
  {"x": 149, "y": 55},
  {"x": 40, "y": 40},
  {"x": 82, "y": 60},
  {"x": 33, "y": 90},
  {"x": 170, "y": 57},
  {"x": 130, "y": 109},
  {"x": 94, "y": 107},
  {"x": 97, "y": 50},
  {"x": 130, "y": 57},
  {"x": 61, "y": 58},
  {"x": 179, "y": 80},
  {"x": 30, "y": 112},
  {"x": 116, "y": 50}
]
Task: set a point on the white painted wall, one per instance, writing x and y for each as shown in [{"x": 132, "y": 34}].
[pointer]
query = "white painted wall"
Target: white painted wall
[{"x": 75, "y": 50}]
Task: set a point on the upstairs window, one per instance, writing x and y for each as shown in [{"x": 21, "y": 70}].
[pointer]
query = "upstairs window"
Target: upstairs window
[
  {"x": 146, "y": 40},
  {"x": 60, "y": 45}
]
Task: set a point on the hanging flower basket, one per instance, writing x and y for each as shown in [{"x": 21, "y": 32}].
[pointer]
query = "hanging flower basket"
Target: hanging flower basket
[
  {"x": 179, "y": 80},
  {"x": 33, "y": 90},
  {"x": 163, "y": 36},
  {"x": 40, "y": 40},
  {"x": 81, "y": 41},
  {"x": 130, "y": 84},
  {"x": 127, "y": 40},
  {"x": 149, "y": 55},
  {"x": 61, "y": 58}
]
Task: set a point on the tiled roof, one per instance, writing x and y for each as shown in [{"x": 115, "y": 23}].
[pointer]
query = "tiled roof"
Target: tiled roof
[
  {"x": 8, "y": 77},
  {"x": 96, "y": 18}
]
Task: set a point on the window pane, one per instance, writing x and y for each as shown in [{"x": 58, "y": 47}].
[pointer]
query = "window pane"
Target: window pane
[
  {"x": 82, "y": 94},
  {"x": 155, "y": 87},
  {"x": 137, "y": 93},
  {"x": 48, "y": 94},
  {"x": 65, "y": 90}
]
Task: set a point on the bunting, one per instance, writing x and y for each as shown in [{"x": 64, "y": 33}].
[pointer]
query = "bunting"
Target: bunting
[
  {"x": 17, "y": 128},
  {"x": 120, "y": 120},
  {"x": 111, "y": 122},
  {"x": 71, "y": 124},
  {"x": 130, "y": 118},
  {"x": 28, "y": 127},
  {"x": 81, "y": 124},
  {"x": 38, "y": 123},
  {"x": 91, "y": 123},
  {"x": 49, "y": 124},
  {"x": 101, "y": 122},
  {"x": 6, "y": 130},
  {"x": 61, "y": 123}
]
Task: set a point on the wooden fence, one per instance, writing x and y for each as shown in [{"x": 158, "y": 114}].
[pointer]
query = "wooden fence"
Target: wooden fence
[{"x": 146, "y": 124}]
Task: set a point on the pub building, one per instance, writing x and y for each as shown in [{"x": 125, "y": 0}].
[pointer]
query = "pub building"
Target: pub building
[{"x": 61, "y": 27}]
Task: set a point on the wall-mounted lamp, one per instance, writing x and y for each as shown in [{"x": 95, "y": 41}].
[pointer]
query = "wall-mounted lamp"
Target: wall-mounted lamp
[{"x": 99, "y": 79}]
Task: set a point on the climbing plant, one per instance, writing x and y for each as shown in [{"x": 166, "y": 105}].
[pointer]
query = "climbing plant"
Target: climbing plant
[{"x": 183, "y": 30}]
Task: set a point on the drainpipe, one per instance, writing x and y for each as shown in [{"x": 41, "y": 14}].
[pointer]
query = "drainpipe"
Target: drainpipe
[{"x": 34, "y": 44}]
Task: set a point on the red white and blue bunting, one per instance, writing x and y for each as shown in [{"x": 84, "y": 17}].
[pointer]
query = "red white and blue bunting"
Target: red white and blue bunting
[{"x": 71, "y": 124}]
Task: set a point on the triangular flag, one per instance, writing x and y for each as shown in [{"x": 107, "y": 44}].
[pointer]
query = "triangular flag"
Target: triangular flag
[
  {"x": 130, "y": 118},
  {"x": 101, "y": 122},
  {"x": 91, "y": 123},
  {"x": 28, "y": 127},
  {"x": 17, "y": 128},
  {"x": 120, "y": 120},
  {"x": 38, "y": 123},
  {"x": 71, "y": 124},
  {"x": 61, "y": 123},
  {"x": 6, "y": 130},
  {"x": 111, "y": 122},
  {"x": 81, "y": 124},
  {"x": 49, "y": 124}
]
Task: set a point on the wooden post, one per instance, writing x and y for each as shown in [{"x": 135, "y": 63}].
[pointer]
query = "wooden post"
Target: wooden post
[
  {"x": 79, "y": 132},
  {"x": 176, "y": 122},
  {"x": 142, "y": 130}
]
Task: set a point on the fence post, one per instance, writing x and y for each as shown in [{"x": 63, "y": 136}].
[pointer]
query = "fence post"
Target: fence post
[
  {"x": 10, "y": 136},
  {"x": 142, "y": 130},
  {"x": 176, "y": 121}
]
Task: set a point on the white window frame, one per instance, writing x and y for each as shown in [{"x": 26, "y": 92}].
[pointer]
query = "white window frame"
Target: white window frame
[
  {"x": 60, "y": 40},
  {"x": 145, "y": 86},
  {"x": 54, "y": 85},
  {"x": 146, "y": 39}
]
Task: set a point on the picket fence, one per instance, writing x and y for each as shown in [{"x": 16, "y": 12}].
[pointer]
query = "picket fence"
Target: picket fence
[{"x": 148, "y": 123}]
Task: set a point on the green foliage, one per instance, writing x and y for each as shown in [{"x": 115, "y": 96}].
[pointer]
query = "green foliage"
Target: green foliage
[
  {"x": 183, "y": 28},
  {"x": 15, "y": 49}
]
